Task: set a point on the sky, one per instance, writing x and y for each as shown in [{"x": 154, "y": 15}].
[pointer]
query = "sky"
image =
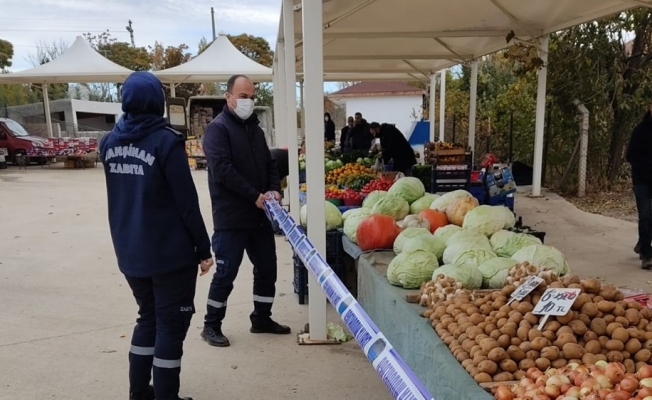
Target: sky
[{"x": 166, "y": 21}]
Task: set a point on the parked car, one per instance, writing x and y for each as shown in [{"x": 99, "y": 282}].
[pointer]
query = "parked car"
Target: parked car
[{"x": 18, "y": 141}]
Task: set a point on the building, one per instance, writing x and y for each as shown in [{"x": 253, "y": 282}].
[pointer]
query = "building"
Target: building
[
  {"x": 70, "y": 117},
  {"x": 385, "y": 102}
]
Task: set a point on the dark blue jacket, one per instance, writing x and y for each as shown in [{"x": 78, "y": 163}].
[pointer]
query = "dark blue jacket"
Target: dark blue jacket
[
  {"x": 639, "y": 152},
  {"x": 156, "y": 225},
  {"x": 240, "y": 168}
]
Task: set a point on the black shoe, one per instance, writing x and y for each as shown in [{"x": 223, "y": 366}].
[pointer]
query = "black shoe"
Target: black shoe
[
  {"x": 270, "y": 326},
  {"x": 149, "y": 395},
  {"x": 637, "y": 248},
  {"x": 646, "y": 263},
  {"x": 214, "y": 337}
]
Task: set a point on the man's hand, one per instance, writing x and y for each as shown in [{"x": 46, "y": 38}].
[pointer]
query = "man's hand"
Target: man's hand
[
  {"x": 205, "y": 266},
  {"x": 260, "y": 203},
  {"x": 275, "y": 195}
]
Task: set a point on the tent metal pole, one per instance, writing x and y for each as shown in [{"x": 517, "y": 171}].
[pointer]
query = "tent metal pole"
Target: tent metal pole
[
  {"x": 473, "y": 105},
  {"x": 173, "y": 92},
  {"x": 313, "y": 55},
  {"x": 290, "y": 110},
  {"x": 46, "y": 110},
  {"x": 442, "y": 106},
  {"x": 432, "y": 103},
  {"x": 540, "y": 118}
]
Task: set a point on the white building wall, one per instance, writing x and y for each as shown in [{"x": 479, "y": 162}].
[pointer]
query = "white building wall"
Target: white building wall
[{"x": 398, "y": 110}]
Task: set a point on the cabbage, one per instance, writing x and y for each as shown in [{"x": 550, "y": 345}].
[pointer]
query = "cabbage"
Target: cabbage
[
  {"x": 474, "y": 257},
  {"x": 423, "y": 203},
  {"x": 486, "y": 220},
  {"x": 355, "y": 211},
  {"x": 510, "y": 218},
  {"x": 352, "y": 221},
  {"x": 506, "y": 243},
  {"x": 462, "y": 235},
  {"x": 410, "y": 270},
  {"x": 428, "y": 243},
  {"x": 544, "y": 257},
  {"x": 453, "y": 251},
  {"x": 441, "y": 204},
  {"x": 373, "y": 197},
  {"x": 333, "y": 216},
  {"x": 406, "y": 234},
  {"x": 409, "y": 189},
  {"x": 467, "y": 275},
  {"x": 445, "y": 232},
  {"x": 496, "y": 271},
  {"x": 393, "y": 206}
]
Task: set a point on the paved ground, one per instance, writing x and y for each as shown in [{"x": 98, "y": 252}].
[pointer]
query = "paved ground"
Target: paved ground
[{"x": 67, "y": 314}]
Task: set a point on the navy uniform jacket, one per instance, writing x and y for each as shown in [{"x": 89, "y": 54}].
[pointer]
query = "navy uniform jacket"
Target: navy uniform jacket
[
  {"x": 154, "y": 215},
  {"x": 240, "y": 169}
]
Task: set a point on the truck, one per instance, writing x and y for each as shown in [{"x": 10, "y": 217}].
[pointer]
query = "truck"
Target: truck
[
  {"x": 192, "y": 117},
  {"x": 19, "y": 142}
]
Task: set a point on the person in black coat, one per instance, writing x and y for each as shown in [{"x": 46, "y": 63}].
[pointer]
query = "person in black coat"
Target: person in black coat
[
  {"x": 394, "y": 146},
  {"x": 639, "y": 156},
  {"x": 345, "y": 144},
  {"x": 329, "y": 128},
  {"x": 361, "y": 136}
]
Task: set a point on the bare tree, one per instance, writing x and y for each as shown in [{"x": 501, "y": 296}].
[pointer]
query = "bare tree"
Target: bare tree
[{"x": 46, "y": 52}]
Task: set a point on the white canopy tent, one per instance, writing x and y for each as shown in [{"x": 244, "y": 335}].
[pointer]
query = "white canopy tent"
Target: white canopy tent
[
  {"x": 80, "y": 63},
  {"x": 410, "y": 39},
  {"x": 217, "y": 63}
]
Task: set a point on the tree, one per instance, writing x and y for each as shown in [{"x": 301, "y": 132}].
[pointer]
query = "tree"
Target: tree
[
  {"x": 121, "y": 53},
  {"x": 167, "y": 57},
  {"x": 6, "y": 54},
  {"x": 46, "y": 52},
  {"x": 254, "y": 47}
]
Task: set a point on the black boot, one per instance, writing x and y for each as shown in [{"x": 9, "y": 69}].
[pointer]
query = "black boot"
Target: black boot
[
  {"x": 148, "y": 395},
  {"x": 270, "y": 326},
  {"x": 214, "y": 337},
  {"x": 646, "y": 263}
]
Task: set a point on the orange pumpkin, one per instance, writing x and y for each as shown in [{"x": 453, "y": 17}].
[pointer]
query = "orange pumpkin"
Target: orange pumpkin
[
  {"x": 376, "y": 232},
  {"x": 436, "y": 218}
]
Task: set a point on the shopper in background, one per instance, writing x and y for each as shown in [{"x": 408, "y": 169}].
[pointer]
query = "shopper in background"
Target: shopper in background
[
  {"x": 639, "y": 155},
  {"x": 361, "y": 137},
  {"x": 345, "y": 144},
  {"x": 395, "y": 147},
  {"x": 158, "y": 233},
  {"x": 329, "y": 128},
  {"x": 242, "y": 175}
]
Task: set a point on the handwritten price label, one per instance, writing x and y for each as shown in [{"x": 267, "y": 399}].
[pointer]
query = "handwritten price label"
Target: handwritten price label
[
  {"x": 526, "y": 288},
  {"x": 555, "y": 301}
]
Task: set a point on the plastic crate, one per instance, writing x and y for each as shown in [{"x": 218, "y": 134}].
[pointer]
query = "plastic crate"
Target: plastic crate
[
  {"x": 526, "y": 229},
  {"x": 334, "y": 258}
]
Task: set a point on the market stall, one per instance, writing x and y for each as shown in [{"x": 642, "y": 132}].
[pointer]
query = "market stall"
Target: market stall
[{"x": 76, "y": 153}]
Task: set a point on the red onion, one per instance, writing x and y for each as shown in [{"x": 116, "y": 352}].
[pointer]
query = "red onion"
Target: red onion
[{"x": 644, "y": 372}]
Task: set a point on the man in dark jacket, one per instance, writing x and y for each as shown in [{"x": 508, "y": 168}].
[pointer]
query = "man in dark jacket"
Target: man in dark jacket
[
  {"x": 345, "y": 144},
  {"x": 360, "y": 134},
  {"x": 158, "y": 233},
  {"x": 639, "y": 155},
  {"x": 395, "y": 147},
  {"x": 242, "y": 174}
]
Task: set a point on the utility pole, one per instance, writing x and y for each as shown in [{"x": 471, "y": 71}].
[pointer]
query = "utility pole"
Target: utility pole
[
  {"x": 213, "y": 20},
  {"x": 131, "y": 32}
]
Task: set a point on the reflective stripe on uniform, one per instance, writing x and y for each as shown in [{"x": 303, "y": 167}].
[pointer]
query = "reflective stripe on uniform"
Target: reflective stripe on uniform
[
  {"x": 160, "y": 363},
  {"x": 141, "y": 351},
  {"x": 216, "y": 304},
  {"x": 263, "y": 299}
]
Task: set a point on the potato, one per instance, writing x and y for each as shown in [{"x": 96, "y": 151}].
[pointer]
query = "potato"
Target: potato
[
  {"x": 643, "y": 355},
  {"x": 593, "y": 347},
  {"x": 619, "y": 296},
  {"x": 588, "y": 358},
  {"x": 599, "y": 326},
  {"x": 504, "y": 341},
  {"x": 523, "y": 332},
  {"x": 592, "y": 286},
  {"x": 590, "y": 310},
  {"x": 525, "y": 346},
  {"x": 606, "y": 306},
  {"x": 497, "y": 355},
  {"x": 533, "y": 354},
  {"x": 612, "y": 327},
  {"x": 482, "y": 377},
  {"x": 516, "y": 353},
  {"x": 609, "y": 318},
  {"x": 531, "y": 318},
  {"x": 646, "y": 313},
  {"x": 552, "y": 326},
  {"x": 525, "y": 308},
  {"x": 504, "y": 377},
  {"x": 633, "y": 346},
  {"x": 614, "y": 345},
  {"x": 572, "y": 351},
  {"x": 518, "y": 375},
  {"x": 526, "y": 364},
  {"x": 534, "y": 333},
  {"x": 510, "y": 328},
  {"x": 566, "y": 319},
  {"x": 589, "y": 335},
  {"x": 608, "y": 292},
  {"x": 550, "y": 352},
  {"x": 550, "y": 335},
  {"x": 615, "y": 356},
  {"x": 462, "y": 355},
  {"x": 582, "y": 299},
  {"x": 478, "y": 359},
  {"x": 622, "y": 321},
  {"x": 634, "y": 304},
  {"x": 564, "y": 339},
  {"x": 618, "y": 311},
  {"x": 564, "y": 329},
  {"x": 539, "y": 343},
  {"x": 542, "y": 363},
  {"x": 488, "y": 344},
  {"x": 507, "y": 290},
  {"x": 633, "y": 316},
  {"x": 559, "y": 363},
  {"x": 620, "y": 334},
  {"x": 508, "y": 365},
  {"x": 635, "y": 333},
  {"x": 640, "y": 365},
  {"x": 495, "y": 335},
  {"x": 488, "y": 366},
  {"x": 516, "y": 341},
  {"x": 630, "y": 366},
  {"x": 467, "y": 362},
  {"x": 578, "y": 327},
  {"x": 603, "y": 341},
  {"x": 585, "y": 318}
]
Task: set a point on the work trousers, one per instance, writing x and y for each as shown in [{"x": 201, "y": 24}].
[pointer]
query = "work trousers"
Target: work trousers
[
  {"x": 643, "y": 194},
  {"x": 166, "y": 306},
  {"x": 229, "y": 247}
]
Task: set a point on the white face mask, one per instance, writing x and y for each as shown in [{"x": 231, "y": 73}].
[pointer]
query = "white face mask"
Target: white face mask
[
  {"x": 244, "y": 108},
  {"x": 326, "y": 119}
]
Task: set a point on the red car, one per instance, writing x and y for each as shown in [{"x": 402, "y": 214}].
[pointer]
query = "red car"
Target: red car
[{"x": 18, "y": 141}]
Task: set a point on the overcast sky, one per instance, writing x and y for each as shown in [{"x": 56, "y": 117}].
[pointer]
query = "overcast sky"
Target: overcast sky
[{"x": 27, "y": 22}]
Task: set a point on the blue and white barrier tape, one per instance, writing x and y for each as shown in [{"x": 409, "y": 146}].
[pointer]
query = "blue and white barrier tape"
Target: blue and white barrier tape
[{"x": 395, "y": 373}]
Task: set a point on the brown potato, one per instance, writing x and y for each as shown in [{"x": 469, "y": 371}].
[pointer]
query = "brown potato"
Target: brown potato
[
  {"x": 582, "y": 299},
  {"x": 504, "y": 377},
  {"x": 516, "y": 341},
  {"x": 534, "y": 333},
  {"x": 526, "y": 364},
  {"x": 620, "y": 334},
  {"x": 539, "y": 343},
  {"x": 592, "y": 286},
  {"x": 578, "y": 327},
  {"x": 550, "y": 335},
  {"x": 614, "y": 345},
  {"x": 564, "y": 329},
  {"x": 531, "y": 318},
  {"x": 497, "y": 355},
  {"x": 488, "y": 366},
  {"x": 572, "y": 351},
  {"x": 488, "y": 344},
  {"x": 518, "y": 375},
  {"x": 618, "y": 311},
  {"x": 552, "y": 326},
  {"x": 643, "y": 355},
  {"x": 507, "y": 290},
  {"x": 495, "y": 335},
  {"x": 633, "y": 346},
  {"x": 589, "y": 335},
  {"x": 599, "y": 326},
  {"x": 590, "y": 310},
  {"x": 508, "y": 365},
  {"x": 566, "y": 319},
  {"x": 565, "y": 338},
  {"x": 612, "y": 327},
  {"x": 478, "y": 359},
  {"x": 606, "y": 306},
  {"x": 559, "y": 363},
  {"x": 533, "y": 354},
  {"x": 622, "y": 321},
  {"x": 633, "y": 316},
  {"x": 593, "y": 347},
  {"x": 615, "y": 356},
  {"x": 588, "y": 359},
  {"x": 482, "y": 377},
  {"x": 609, "y": 318},
  {"x": 635, "y": 333},
  {"x": 630, "y": 366},
  {"x": 516, "y": 353},
  {"x": 523, "y": 332},
  {"x": 525, "y": 346},
  {"x": 603, "y": 341},
  {"x": 542, "y": 363},
  {"x": 550, "y": 352},
  {"x": 504, "y": 341}
]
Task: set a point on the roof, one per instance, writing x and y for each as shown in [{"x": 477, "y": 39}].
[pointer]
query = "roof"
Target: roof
[
  {"x": 79, "y": 63},
  {"x": 378, "y": 89},
  {"x": 411, "y": 39},
  {"x": 217, "y": 63}
]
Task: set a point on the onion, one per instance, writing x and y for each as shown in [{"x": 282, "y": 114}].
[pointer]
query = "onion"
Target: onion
[
  {"x": 541, "y": 381},
  {"x": 503, "y": 393},
  {"x": 573, "y": 392},
  {"x": 614, "y": 373},
  {"x": 644, "y": 372},
  {"x": 618, "y": 395},
  {"x": 604, "y": 381},
  {"x": 592, "y": 396},
  {"x": 525, "y": 382},
  {"x": 540, "y": 397},
  {"x": 572, "y": 366},
  {"x": 580, "y": 378},
  {"x": 519, "y": 392},
  {"x": 585, "y": 391},
  {"x": 591, "y": 383},
  {"x": 551, "y": 371},
  {"x": 603, "y": 393},
  {"x": 629, "y": 385},
  {"x": 645, "y": 383},
  {"x": 647, "y": 398},
  {"x": 533, "y": 373},
  {"x": 552, "y": 391},
  {"x": 558, "y": 380},
  {"x": 564, "y": 388},
  {"x": 645, "y": 392},
  {"x": 601, "y": 364}
]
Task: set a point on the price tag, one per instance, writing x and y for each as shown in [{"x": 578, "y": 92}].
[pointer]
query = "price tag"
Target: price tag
[
  {"x": 555, "y": 301},
  {"x": 526, "y": 288}
]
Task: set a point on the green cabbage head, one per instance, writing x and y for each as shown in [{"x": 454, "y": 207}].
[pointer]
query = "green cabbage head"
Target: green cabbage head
[
  {"x": 353, "y": 220},
  {"x": 410, "y": 270},
  {"x": 475, "y": 257},
  {"x": 445, "y": 232},
  {"x": 455, "y": 250},
  {"x": 544, "y": 257},
  {"x": 393, "y": 206},
  {"x": 467, "y": 275},
  {"x": 423, "y": 203},
  {"x": 484, "y": 219},
  {"x": 506, "y": 243},
  {"x": 373, "y": 198},
  {"x": 333, "y": 216},
  {"x": 409, "y": 189},
  {"x": 465, "y": 235},
  {"x": 495, "y": 272},
  {"x": 355, "y": 211},
  {"x": 428, "y": 243},
  {"x": 406, "y": 234}
]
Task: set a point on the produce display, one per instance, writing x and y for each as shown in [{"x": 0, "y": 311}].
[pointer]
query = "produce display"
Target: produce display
[
  {"x": 333, "y": 216},
  {"x": 381, "y": 184},
  {"x": 346, "y": 174}
]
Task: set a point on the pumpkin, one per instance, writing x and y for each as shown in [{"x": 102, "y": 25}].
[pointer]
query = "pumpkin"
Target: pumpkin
[
  {"x": 457, "y": 209},
  {"x": 377, "y": 231},
  {"x": 437, "y": 219}
]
